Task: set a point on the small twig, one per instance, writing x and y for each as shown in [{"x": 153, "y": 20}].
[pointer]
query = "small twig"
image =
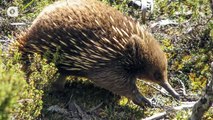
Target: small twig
[
  {"x": 156, "y": 116},
  {"x": 82, "y": 113},
  {"x": 18, "y": 24},
  {"x": 25, "y": 101},
  {"x": 95, "y": 108},
  {"x": 79, "y": 109},
  {"x": 57, "y": 109},
  {"x": 70, "y": 100},
  {"x": 183, "y": 87}
]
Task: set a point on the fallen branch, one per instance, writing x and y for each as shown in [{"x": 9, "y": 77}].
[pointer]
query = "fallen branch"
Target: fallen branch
[
  {"x": 205, "y": 102},
  {"x": 184, "y": 106}
]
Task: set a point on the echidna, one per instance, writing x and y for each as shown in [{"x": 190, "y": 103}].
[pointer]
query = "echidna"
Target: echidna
[{"x": 100, "y": 43}]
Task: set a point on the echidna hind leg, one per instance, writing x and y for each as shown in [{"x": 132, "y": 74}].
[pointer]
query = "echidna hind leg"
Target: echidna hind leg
[
  {"x": 26, "y": 68},
  {"x": 59, "y": 84}
]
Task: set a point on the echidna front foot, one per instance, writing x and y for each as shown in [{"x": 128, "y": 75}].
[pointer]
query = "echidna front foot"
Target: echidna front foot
[
  {"x": 116, "y": 81},
  {"x": 140, "y": 100}
]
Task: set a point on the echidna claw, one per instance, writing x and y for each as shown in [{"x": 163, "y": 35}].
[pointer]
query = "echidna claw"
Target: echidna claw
[{"x": 142, "y": 101}]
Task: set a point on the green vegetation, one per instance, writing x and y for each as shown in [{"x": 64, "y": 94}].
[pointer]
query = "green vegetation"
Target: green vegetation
[
  {"x": 188, "y": 46},
  {"x": 21, "y": 99},
  {"x": 11, "y": 88}
]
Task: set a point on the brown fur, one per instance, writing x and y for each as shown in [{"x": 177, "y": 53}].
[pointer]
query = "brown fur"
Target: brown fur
[{"x": 98, "y": 42}]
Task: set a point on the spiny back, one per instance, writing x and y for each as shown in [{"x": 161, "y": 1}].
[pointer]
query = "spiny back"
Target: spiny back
[{"x": 87, "y": 32}]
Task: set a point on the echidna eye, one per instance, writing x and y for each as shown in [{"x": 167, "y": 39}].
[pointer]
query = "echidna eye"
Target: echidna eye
[{"x": 157, "y": 76}]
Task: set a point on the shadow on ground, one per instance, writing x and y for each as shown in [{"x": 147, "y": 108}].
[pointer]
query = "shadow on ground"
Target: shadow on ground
[{"x": 81, "y": 100}]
